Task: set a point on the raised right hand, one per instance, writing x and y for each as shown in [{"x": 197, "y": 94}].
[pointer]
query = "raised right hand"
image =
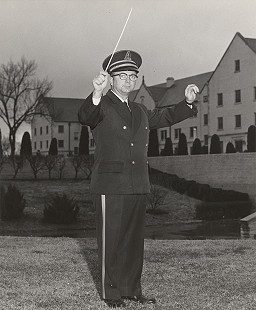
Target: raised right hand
[{"x": 99, "y": 84}]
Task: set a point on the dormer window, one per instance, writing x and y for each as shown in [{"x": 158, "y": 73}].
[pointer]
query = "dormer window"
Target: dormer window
[{"x": 237, "y": 65}]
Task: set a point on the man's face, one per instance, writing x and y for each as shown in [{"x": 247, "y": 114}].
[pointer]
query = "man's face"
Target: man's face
[{"x": 123, "y": 82}]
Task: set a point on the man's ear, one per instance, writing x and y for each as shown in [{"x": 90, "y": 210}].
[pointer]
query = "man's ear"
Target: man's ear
[{"x": 111, "y": 80}]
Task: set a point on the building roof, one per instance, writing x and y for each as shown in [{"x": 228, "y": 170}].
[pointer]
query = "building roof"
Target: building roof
[
  {"x": 133, "y": 94},
  {"x": 66, "y": 109},
  {"x": 163, "y": 95},
  {"x": 63, "y": 109},
  {"x": 176, "y": 92},
  {"x": 157, "y": 92},
  {"x": 251, "y": 43}
]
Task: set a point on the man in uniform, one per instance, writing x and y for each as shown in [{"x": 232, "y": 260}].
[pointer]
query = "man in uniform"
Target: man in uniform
[{"x": 120, "y": 175}]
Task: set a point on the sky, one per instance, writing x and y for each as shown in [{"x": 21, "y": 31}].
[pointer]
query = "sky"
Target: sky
[{"x": 69, "y": 39}]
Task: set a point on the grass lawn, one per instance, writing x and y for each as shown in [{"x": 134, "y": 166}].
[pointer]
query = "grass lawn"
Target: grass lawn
[
  {"x": 36, "y": 194},
  {"x": 62, "y": 273},
  {"x": 179, "y": 207}
]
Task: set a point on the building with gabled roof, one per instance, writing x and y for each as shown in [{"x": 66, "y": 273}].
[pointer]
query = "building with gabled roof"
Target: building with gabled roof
[
  {"x": 61, "y": 123},
  {"x": 170, "y": 93},
  {"x": 231, "y": 94},
  {"x": 226, "y": 102}
]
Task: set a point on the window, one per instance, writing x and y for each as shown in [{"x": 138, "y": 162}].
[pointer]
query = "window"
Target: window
[
  {"x": 254, "y": 93},
  {"x": 41, "y": 144},
  {"x": 41, "y": 130},
  {"x": 220, "y": 99},
  {"x": 220, "y": 123},
  {"x": 76, "y": 135},
  {"x": 163, "y": 135},
  {"x": 47, "y": 129},
  {"x": 34, "y": 145},
  {"x": 239, "y": 145},
  {"x": 47, "y": 144},
  {"x": 255, "y": 119},
  {"x": 206, "y": 138},
  {"x": 205, "y": 119},
  {"x": 35, "y": 131},
  {"x": 193, "y": 131},
  {"x": 205, "y": 99},
  {"x": 177, "y": 133},
  {"x": 237, "y": 65},
  {"x": 238, "y": 96},
  {"x": 76, "y": 150},
  {"x": 60, "y": 129},
  {"x": 142, "y": 99},
  {"x": 92, "y": 143},
  {"x": 238, "y": 121},
  {"x": 61, "y": 143}
]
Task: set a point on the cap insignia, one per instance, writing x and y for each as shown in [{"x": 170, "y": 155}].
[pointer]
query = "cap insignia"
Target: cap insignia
[{"x": 128, "y": 56}]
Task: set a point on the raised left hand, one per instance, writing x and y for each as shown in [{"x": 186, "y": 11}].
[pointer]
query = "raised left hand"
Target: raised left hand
[{"x": 190, "y": 92}]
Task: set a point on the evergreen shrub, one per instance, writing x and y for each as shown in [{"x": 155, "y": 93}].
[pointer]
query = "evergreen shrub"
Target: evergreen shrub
[
  {"x": 223, "y": 210},
  {"x": 215, "y": 146},
  {"x": 204, "y": 191},
  {"x": 61, "y": 209},
  {"x": 12, "y": 203},
  {"x": 230, "y": 148},
  {"x": 181, "y": 185},
  {"x": 196, "y": 147},
  {"x": 182, "y": 145},
  {"x": 251, "y": 139},
  {"x": 193, "y": 189}
]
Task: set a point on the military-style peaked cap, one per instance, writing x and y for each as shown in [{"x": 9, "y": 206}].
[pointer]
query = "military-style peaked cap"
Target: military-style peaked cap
[{"x": 123, "y": 60}]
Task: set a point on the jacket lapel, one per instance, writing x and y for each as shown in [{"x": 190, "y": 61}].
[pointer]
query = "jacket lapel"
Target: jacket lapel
[{"x": 136, "y": 116}]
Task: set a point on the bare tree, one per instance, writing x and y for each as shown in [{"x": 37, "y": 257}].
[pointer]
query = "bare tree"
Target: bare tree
[
  {"x": 16, "y": 162},
  {"x": 36, "y": 163},
  {"x": 50, "y": 162},
  {"x": 20, "y": 94},
  {"x": 76, "y": 162},
  {"x": 61, "y": 163},
  {"x": 86, "y": 165}
]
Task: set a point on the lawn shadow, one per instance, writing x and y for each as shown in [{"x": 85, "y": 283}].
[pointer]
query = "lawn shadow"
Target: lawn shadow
[{"x": 90, "y": 255}]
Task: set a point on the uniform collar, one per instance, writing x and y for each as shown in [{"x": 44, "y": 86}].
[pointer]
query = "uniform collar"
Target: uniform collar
[{"x": 126, "y": 101}]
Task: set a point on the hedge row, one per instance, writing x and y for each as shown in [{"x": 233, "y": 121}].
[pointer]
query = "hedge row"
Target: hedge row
[
  {"x": 218, "y": 203},
  {"x": 223, "y": 210},
  {"x": 194, "y": 189}
]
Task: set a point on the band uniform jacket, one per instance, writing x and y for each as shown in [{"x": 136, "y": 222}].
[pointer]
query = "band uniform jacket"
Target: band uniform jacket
[{"x": 121, "y": 139}]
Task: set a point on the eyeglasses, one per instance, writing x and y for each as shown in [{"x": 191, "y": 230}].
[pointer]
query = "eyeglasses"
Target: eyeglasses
[{"x": 124, "y": 76}]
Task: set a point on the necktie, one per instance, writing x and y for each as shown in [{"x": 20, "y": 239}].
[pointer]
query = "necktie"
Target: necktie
[{"x": 127, "y": 105}]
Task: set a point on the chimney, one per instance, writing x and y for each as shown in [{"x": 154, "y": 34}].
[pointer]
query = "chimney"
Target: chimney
[{"x": 169, "y": 82}]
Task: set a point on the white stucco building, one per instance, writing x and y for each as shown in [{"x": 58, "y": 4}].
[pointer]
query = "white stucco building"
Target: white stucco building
[
  {"x": 226, "y": 102},
  {"x": 62, "y": 124}
]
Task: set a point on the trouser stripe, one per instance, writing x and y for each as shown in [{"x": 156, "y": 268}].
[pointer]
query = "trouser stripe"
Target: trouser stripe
[{"x": 103, "y": 204}]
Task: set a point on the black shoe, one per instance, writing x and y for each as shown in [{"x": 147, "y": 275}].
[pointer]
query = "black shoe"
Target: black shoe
[
  {"x": 141, "y": 299},
  {"x": 114, "y": 303}
]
